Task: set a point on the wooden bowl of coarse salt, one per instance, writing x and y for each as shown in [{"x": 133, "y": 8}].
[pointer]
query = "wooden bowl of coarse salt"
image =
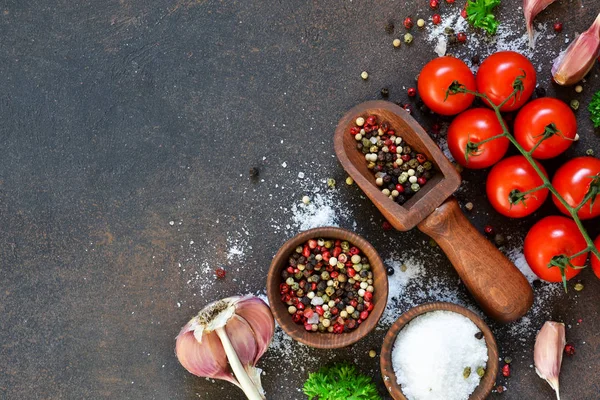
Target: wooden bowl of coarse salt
[{"x": 439, "y": 351}]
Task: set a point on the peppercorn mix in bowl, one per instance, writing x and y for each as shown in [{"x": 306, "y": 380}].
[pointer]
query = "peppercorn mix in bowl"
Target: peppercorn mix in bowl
[
  {"x": 327, "y": 287},
  {"x": 439, "y": 351}
]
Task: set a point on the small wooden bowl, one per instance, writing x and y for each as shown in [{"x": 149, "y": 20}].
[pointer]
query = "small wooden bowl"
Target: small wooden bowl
[
  {"x": 387, "y": 370},
  {"x": 318, "y": 339}
]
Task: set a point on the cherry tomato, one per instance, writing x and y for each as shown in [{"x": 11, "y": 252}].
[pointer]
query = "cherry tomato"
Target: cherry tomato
[
  {"x": 552, "y": 236},
  {"x": 537, "y": 116},
  {"x": 497, "y": 74},
  {"x": 572, "y": 181},
  {"x": 476, "y": 125},
  {"x": 435, "y": 79},
  {"x": 515, "y": 173},
  {"x": 595, "y": 259}
]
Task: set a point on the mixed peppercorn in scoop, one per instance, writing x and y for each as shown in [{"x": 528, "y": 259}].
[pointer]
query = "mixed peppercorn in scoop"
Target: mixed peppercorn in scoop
[
  {"x": 399, "y": 170},
  {"x": 328, "y": 286}
]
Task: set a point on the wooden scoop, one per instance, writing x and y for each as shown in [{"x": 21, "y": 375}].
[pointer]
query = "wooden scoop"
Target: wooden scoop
[{"x": 496, "y": 284}]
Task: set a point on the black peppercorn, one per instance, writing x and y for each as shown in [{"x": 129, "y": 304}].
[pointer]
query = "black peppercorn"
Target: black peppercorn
[
  {"x": 476, "y": 59},
  {"x": 479, "y": 335},
  {"x": 540, "y": 91},
  {"x": 385, "y": 92},
  {"x": 390, "y": 271},
  {"x": 389, "y": 27},
  {"x": 253, "y": 172}
]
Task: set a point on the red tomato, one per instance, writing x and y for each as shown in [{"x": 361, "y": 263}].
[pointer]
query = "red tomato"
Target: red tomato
[
  {"x": 515, "y": 173},
  {"x": 531, "y": 123},
  {"x": 596, "y": 260},
  {"x": 476, "y": 125},
  {"x": 435, "y": 79},
  {"x": 549, "y": 237},
  {"x": 572, "y": 181},
  {"x": 497, "y": 74}
]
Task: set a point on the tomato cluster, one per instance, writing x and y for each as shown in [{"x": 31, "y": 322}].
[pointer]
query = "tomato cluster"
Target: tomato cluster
[{"x": 545, "y": 127}]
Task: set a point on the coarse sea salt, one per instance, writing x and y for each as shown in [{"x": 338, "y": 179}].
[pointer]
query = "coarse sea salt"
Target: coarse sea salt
[{"x": 431, "y": 353}]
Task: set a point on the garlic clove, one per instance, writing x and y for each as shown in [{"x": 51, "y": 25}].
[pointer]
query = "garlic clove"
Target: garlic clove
[
  {"x": 204, "y": 359},
  {"x": 548, "y": 353},
  {"x": 242, "y": 339},
  {"x": 573, "y": 64},
  {"x": 531, "y": 8},
  {"x": 258, "y": 315}
]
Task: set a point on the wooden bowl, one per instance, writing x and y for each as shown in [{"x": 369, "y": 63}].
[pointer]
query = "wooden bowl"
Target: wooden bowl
[
  {"x": 387, "y": 370},
  {"x": 318, "y": 339},
  {"x": 425, "y": 201}
]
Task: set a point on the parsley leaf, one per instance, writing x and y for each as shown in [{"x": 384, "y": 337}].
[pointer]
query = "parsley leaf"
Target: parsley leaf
[
  {"x": 479, "y": 14},
  {"x": 594, "y": 109},
  {"x": 340, "y": 382}
]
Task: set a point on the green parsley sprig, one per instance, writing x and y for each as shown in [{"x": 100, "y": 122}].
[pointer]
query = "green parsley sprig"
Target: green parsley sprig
[
  {"x": 594, "y": 109},
  {"x": 480, "y": 15},
  {"x": 340, "y": 382}
]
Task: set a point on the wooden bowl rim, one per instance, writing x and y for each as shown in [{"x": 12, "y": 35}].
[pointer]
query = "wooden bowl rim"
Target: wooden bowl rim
[
  {"x": 405, "y": 218},
  {"x": 315, "y": 339},
  {"x": 387, "y": 370}
]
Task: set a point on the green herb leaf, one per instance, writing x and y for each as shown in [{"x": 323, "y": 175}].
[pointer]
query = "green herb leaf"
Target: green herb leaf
[
  {"x": 340, "y": 382},
  {"x": 594, "y": 109},
  {"x": 480, "y": 15}
]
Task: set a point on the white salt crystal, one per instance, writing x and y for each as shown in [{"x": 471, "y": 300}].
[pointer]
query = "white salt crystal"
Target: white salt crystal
[
  {"x": 316, "y": 301},
  {"x": 431, "y": 353},
  {"x": 301, "y": 175}
]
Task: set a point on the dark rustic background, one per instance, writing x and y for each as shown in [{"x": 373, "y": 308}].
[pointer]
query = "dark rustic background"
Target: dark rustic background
[{"x": 118, "y": 117}]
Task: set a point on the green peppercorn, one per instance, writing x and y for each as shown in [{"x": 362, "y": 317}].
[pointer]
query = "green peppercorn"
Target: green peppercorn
[
  {"x": 403, "y": 268},
  {"x": 575, "y": 104},
  {"x": 403, "y": 177},
  {"x": 330, "y": 183},
  {"x": 330, "y": 291},
  {"x": 415, "y": 187},
  {"x": 408, "y": 38},
  {"x": 480, "y": 371},
  {"x": 467, "y": 372},
  {"x": 406, "y": 150},
  {"x": 589, "y": 152},
  {"x": 427, "y": 165}
]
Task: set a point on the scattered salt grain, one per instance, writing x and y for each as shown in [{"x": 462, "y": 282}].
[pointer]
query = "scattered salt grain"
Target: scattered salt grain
[
  {"x": 431, "y": 353},
  {"x": 301, "y": 175}
]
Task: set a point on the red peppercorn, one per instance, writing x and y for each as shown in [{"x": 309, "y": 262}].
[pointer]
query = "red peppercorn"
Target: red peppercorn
[
  {"x": 387, "y": 226},
  {"x": 334, "y": 274},
  {"x": 421, "y": 158},
  {"x": 405, "y": 157},
  {"x": 579, "y": 320},
  {"x": 337, "y": 251},
  {"x": 462, "y": 37},
  {"x": 569, "y": 349},
  {"x": 408, "y": 108},
  {"x": 351, "y": 272},
  {"x": 450, "y": 1},
  {"x": 436, "y": 19},
  {"x": 326, "y": 256},
  {"x": 408, "y": 23},
  {"x": 558, "y": 27},
  {"x": 463, "y": 13},
  {"x": 356, "y": 285},
  {"x": 421, "y": 181},
  {"x": 290, "y": 270},
  {"x": 371, "y": 120},
  {"x": 353, "y": 302},
  {"x": 364, "y": 315},
  {"x": 434, "y": 4},
  {"x": 319, "y": 310},
  {"x": 399, "y": 188},
  {"x": 295, "y": 301},
  {"x": 348, "y": 264},
  {"x": 284, "y": 288},
  {"x": 334, "y": 311},
  {"x": 500, "y": 389},
  {"x": 370, "y": 307},
  {"x": 354, "y": 130},
  {"x": 351, "y": 324},
  {"x": 354, "y": 250},
  {"x": 306, "y": 251},
  {"x": 393, "y": 149},
  {"x": 312, "y": 244},
  {"x": 300, "y": 306},
  {"x": 506, "y": 370},
  {"x": 313, "y": 286},
  {"x": 412, "y": 92},
  {"x": 489, "y": 230},
  {"x": 286, "y": 298},
  {"x": 297, "y": 318},
  {"x": 308, "y": 327},
  {"x": 368, "y": 296},
  {"x": 391, "y": 132},
  {"x": 367, "y": 128},
  {"x": 387, "y": 142},
  {"x": 337, "y": 328},
  {"x": 436, "y": 128},
  {"x": 220, "y": 272},
  {"x": 338, "y": 243}
]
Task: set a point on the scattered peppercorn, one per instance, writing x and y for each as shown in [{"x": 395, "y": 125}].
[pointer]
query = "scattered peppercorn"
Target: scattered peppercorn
[
  {"x": 327, "y": 286},
  {"x": 396, "y": 42},
  {"x": 499, "y": 239},
  {"x": 480, "y": 371},
  {"x": 469, "y": 206},
  {"x": 500, "y": 389},
  {"x": 331, "y": 183},
  {"x": 507, "y": 360},
  {"x": 420, "y": 22},
  {"x": 433, "y": 4},
  {"x": 253, "y": 172},
  {"x": 372, "y": 353},
  {"x": 436, "y": 19},
  {"x": 569, "y": 349},
  {"x": 575, "y": 104},
  {"x": 558, "y": 27},
  {"x": 461, "y": 37},
  {"x": 578, "y": 287},
  {"x": 479, "y": 335},
  {"x": 540, "y": 91},
  {"x": 578, "y": 89},
  {"x": 364, "y": 75},
  {"x": 387, "y": 226},
  {"x": 489, "y": 230},
  {"x": 589, "y": 152},
  {"x": 408, "y": 23},
  {"x": 452, "y": 38},
  {"x": 506, "y": 370},
  {"x": 389, "y": 27},
  {"x": 349, "y": 181},
  {"x": 467, "y": 372},
  {"x": 408, "y": 38},
  {"x": 412, "y": 92},
  {"x": 463, "y": 13},
  {"x": 306, "y": 199},
  {"x": 390, "y": 271},
  {"x": 450, "y": 1},
  {"x": 476, "y": 59},
  {"x": 220, "y": 272},
  {"x": 385, "y": 92}
]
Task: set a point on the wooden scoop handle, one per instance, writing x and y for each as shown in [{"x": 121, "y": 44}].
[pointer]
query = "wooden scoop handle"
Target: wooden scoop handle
[{"x": 496, "y": 284}]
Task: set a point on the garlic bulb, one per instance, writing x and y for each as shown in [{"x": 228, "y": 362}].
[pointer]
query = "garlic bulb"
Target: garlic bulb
[
  {"x": 572, "y": 65},
  {"x": 225, "y": 341},
  {"x": 548, "y": 352},
  {"x": 531, "y": 8}
]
